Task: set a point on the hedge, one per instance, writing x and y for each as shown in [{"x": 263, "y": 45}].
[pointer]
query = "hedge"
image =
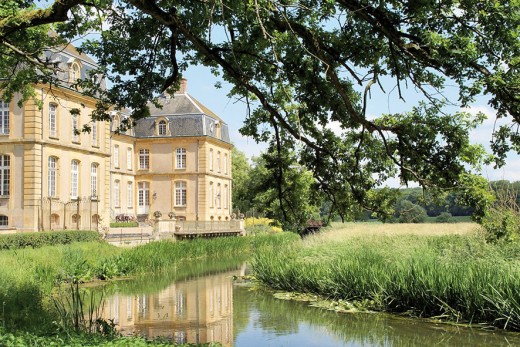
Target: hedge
[{"x": 46, "y": 238}]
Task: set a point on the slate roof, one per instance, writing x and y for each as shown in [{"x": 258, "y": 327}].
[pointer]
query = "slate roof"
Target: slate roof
[{"x": 185, "y": 115}]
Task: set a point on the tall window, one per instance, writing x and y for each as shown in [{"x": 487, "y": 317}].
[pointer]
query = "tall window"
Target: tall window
[
  {"x": 94, "y": 179},
  {"x": 117, "y": 194},
  {"x": 181, "y": 158},
  {"x": 4, "y": 117},
  {"x": 225, "y": 164},
  {"x": 130, "y": 195},
  {"x": 144, "y": 159},
  {"x": 74, "y": 179},
  {"x": 116, "y": 156},
  {"x": 75, "y": 128},
  {"x": 74, "y": 73},
  {"x": 211, "y": 194},
  {"x": 53, "y": 125},
  {"x": 225, "y": 196},
  {"x": 218, "y": 161},
  {"x": 5, "y": 174},
  {"x": 180, "y": 193},
  {"x": 52, "y": 170},
  {"x": 162, "y": 127},
  {"x": 129, "y": 158},
  {"x": 219, "y": 192},
  {"x": 4, "y": 221},
  {"x": 94, "y": 132},
  {"x": 211, "y": 159}
]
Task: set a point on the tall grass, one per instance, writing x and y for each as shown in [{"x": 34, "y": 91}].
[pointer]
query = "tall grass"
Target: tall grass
[
  {"x": 28, "y": 276},
  {"x": 456, "y": 277}
]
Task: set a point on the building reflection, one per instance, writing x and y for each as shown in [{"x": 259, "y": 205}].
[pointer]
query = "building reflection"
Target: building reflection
[{"x": 197, "y": 310}]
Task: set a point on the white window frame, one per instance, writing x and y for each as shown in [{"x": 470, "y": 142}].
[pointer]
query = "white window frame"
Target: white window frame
[
  {"x": 74, "y": 179},
  {"x": 219, "y": 196},
  {"x": 180, "y": 193},
  {"x": 211, "y": 159},
  {"x": 162, "y": 127},
  {"x": 116, "y": 156},
  {"x": 211, "y": 194},
  {"x": 53, "y": 120},
  {"x": 52, "y": 173},
  {"x": 180, "y": 161},
  {"x": 74, "y": 127},
  {"x": 117, "y": 194},
  {"x": 4, "y": 118},
  {"x": 144, "y": 159},
  {"x": 4, "y": 221},
  {"x": 218, "y": 161},
  {"x": 94, "y": 131},
  {"x": 225, "y": 199},
  {"x": 129, "y": 158},
  {"x": 5, "y": 174},
  {"x": 225, "y": 164},
  {"x": 94, "y": 180},
  {"x": 130, "y": 194}
]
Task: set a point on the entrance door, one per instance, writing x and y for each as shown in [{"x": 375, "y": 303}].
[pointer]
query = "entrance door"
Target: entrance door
[{"x": 144, "y": 198}]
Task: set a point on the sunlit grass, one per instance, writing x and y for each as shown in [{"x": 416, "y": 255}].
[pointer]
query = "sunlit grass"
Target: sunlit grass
[{"x": 426, "y": 270}]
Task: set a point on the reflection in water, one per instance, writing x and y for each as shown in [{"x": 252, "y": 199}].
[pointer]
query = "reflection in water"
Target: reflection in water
[
  {"x": 205, "y": 306},
  {"x": 196, "y": 310}
]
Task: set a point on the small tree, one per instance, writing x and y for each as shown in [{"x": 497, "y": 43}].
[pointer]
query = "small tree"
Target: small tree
[{"x": 408, "y": 212}]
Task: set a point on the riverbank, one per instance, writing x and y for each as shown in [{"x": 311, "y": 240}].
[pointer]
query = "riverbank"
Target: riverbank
[
  {"x": 444, "y": 271},
  {"x": 29, "y": 276}
]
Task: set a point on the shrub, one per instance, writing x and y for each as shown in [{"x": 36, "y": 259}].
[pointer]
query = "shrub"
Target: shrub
[
  {"x": 124, "y": 224},
  {"x": 444, "y": 217},
  {"x": 46, "y": 238}
]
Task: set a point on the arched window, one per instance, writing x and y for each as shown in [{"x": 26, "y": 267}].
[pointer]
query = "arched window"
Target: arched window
[
  {"x": 94, "y": 180},
  {"x": 53, "y": 121},
  {"x": 76, "y": 220},
  {"x": 130, "y": 194},
  {"x": 52, "y": 174},
  {"x": 55, "y": 221},
  {"x": 74, "y": 179},
  {"x": 219, "y": 193},
  {"x": 74, "y": 73},
  {"x": 162, "y": 127},
  {"x": 211, "y": 194},
  {"x": 218, "y": 161},
  {"x": 225, "y": 164},
  {"x": 225, "y": 196},
  {"x": 117, "y": 194}
]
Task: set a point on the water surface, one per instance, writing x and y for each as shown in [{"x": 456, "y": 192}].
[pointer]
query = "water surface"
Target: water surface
[{"x": 199, "y": 303}]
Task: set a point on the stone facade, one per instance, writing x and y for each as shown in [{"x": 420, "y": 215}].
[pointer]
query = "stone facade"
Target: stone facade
[{"x": 54, "y": 178}]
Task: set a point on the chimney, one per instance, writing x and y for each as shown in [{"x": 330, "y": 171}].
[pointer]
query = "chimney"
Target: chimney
[{"x": 183, "y": 88}]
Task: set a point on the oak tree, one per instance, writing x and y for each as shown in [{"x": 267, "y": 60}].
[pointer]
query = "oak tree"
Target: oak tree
[{"x": 302, "y": 64}]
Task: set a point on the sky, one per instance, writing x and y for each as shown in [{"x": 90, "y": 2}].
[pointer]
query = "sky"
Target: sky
[{"x": 201, "y": 85}]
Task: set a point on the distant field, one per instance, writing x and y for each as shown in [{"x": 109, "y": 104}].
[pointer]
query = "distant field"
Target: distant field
[{"x": 338, "y": 231}]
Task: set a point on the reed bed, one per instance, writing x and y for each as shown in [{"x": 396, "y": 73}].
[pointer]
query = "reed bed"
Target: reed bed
[{"x": 454, "y": 275}]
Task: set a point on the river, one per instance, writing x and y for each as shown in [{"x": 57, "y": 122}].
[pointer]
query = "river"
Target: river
[{"x": 202, "y": 302}]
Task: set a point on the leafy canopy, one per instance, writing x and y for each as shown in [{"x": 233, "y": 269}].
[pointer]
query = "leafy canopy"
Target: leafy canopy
[{"x": 304, "y": 64}]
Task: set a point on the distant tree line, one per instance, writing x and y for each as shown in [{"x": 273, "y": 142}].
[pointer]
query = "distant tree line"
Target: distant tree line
[{"x": 276, "y": 185}]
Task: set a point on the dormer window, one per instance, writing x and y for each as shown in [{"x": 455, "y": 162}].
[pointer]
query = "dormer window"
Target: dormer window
[
  {"x": 74, "y": 72},
  {"x": 162, "y": 127}
]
